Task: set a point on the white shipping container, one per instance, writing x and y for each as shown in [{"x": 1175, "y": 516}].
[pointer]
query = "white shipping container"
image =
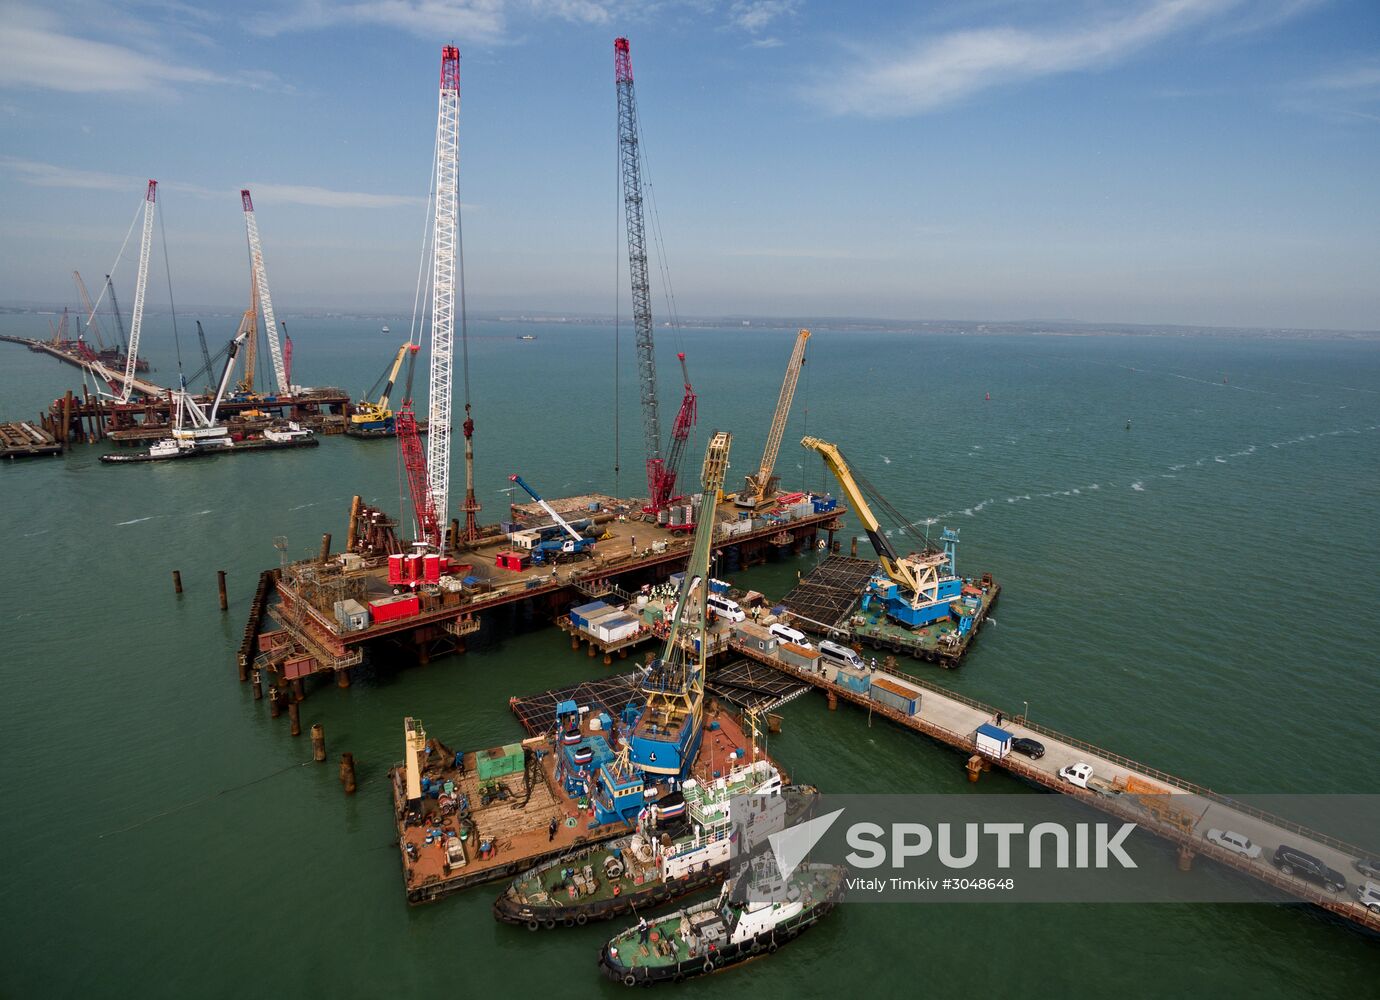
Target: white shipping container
[{"x": 613, "y": 628}]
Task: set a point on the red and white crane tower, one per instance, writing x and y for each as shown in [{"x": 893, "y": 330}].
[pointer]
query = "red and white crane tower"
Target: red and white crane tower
[
  {"x": 136, "y": 321},
  {"x": 661, "y": 472}
]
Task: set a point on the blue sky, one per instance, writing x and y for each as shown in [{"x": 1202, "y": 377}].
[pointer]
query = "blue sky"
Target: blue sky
[{"x": 1155, "y": 161}]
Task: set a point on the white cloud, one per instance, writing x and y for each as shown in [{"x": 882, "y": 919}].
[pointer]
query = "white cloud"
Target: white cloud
[
  {"x": 483, "y": 21},
  {"x": 947, "y": 69},
  {"x": 53, "y": 175},
  {"x": 755, "y": 15},
  {"x": 35, "y": 52}
]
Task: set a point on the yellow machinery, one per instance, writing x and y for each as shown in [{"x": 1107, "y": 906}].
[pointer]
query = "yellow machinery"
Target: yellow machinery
[
  {"x": 916, "y": 576},
  {"x": 761, "y": 486},
  {"x": 377, "y": 416},
  {"x": 249, "y": 326}
]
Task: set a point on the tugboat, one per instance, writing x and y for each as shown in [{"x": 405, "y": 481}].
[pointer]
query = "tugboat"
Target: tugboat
[
  {"x": 683, "y": 843},
  {"x": 723, "y": 932}
]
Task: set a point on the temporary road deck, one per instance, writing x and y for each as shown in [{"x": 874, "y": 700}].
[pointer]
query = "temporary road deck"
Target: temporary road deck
[{"x": 953, "y": 718}]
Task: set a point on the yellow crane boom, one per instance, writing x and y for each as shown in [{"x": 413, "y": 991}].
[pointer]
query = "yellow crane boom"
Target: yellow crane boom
[
  {"x": 371, "y": 412},
  {"x": 917, "y": 575},
  {"x": 762, "y": 484},
  {"x": 249, "y": 326}
]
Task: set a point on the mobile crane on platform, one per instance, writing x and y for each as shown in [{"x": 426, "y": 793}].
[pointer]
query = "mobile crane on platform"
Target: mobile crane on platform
[
  {"x": 915, "y": 589},
  {"x": 576, "y": 544}
]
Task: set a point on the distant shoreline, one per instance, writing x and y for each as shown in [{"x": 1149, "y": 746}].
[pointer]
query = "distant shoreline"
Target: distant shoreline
[{"x": 837, "y": 324}]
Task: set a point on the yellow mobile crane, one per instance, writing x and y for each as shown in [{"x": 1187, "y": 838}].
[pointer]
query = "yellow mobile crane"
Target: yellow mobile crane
[
  {"x": 761, "y": 485},
  {"x": 921, "y": 583},
  {"x": 376, "y": 419}
]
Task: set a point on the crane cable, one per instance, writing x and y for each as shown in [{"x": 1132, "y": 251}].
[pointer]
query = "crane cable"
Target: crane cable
[{"x": 167, "y": 269}]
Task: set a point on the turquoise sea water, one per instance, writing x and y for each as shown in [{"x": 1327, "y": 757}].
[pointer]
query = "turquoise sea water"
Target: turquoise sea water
[{"x": 1198, "y": 593}]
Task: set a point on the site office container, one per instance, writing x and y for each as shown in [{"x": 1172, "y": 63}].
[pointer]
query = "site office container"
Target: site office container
[
  {"x": 754, "y": 635},
  {"x": 799, "y": 656},
  {"x": 579, "y": 616},
  {"x": 616, "y": 627},
  {"x": 594, "y": 618},
  {"x": 888, "y": 692},
  {"x": 992, "y": 741},
  {"x": 846, "y": 677},
  {"x": 392, "y": 608}
]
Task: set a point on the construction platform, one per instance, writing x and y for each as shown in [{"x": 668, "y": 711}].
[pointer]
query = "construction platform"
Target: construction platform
[
  {"x": 827, "y": 601},
  {"x": 1172, "y": 808},
  {"x": 23, "y": 440},
  {"x": 479, "y": 594},
  {"x": 724, "y": 732},
  {"x": 481, "y": 829},
  {"x": 753, "y": 686}
]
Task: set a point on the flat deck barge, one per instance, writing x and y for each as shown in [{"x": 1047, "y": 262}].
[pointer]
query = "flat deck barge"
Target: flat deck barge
[{"x": 828, "y": 600}]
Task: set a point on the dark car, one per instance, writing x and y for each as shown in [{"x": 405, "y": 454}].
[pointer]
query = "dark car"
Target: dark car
[
  {"x": 1033, "y": 749},
  {"x": 1369, "y": 867},
  {"x": 1292, "y": 861}
]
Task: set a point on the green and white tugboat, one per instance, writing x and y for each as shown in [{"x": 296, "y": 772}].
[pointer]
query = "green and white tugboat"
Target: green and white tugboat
[
  {"x": 725, "y": 931},
  {"x": 683, "y": 843}
]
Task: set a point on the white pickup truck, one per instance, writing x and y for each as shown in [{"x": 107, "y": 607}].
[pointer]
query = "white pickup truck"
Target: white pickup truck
[
  {"x": 1237, "y": 843},
  {"x": 1081, "y": 775}
]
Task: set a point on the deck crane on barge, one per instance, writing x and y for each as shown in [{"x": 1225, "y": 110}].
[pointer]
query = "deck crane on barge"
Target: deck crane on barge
[
  {"x": 576, "y": 544},
  {"x": 915, "y": 589},
  {"x": 668, "y": 732},
  {"x": 661, "y": 471}
]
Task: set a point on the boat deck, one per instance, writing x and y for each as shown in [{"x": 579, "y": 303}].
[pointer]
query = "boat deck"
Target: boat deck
[{"x": 516, "y": 829}]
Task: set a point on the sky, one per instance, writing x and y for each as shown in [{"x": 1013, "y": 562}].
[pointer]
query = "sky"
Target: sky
[{"x": 1206, "y": 162}]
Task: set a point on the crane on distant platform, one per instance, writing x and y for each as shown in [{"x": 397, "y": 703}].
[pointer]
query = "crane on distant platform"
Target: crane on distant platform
[
  {"x": 136, "y": 322},
  {"x": 371, "y": 416},
  {"x": 761, "y": 486},
  {"x": 661, "y": 471},
  {"x": 282, "y": 383}
]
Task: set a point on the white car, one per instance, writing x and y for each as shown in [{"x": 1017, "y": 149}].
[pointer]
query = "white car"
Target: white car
[
  {"x": 1237, "y": 843},
  {"x": 1368, "y": 895}
]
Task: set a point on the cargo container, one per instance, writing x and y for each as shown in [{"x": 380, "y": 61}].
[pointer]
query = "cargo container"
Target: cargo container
[
  {"x": 499, "y": 761},
  {"x": 846, "y": 677},
  {"x": 755, "y": 636},
  {"x": 395, "y": 569},
  {"x": 798, "y": 656},
  {"x": 351, "y": 561},
  {"x": 579, "y": 616},
  {"x": 351, "y": 615},
  {"x": 895, "y": 695},
  {"x": 389, "y": 609},
  {"x": 992, "y": 741},
  {"x": 616, "y": 627},
  {"x": 824, "y": 504},
  {"x": 593, "y": 618},
  {"x": 514, "y": 561},
  {"x": 525, "y": 539}
]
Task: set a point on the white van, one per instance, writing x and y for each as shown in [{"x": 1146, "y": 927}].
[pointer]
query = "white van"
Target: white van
[
  {"x": 842, "y": 656},
  {"x": 792, "y": 635},
  {"x": 725, "y": 608}
]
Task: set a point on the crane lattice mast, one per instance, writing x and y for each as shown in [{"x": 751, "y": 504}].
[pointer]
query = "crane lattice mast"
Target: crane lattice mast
[
  {"x": 629, "y": 161},
  {"x": 761, "y": 485},
  {"x": 256, "y": 255},
  {"x": 443, "y": 293},
  {"x": 115, "y": 307},
  {"x": 136, "y": 321},
  {"x": 90, "y": 310}
]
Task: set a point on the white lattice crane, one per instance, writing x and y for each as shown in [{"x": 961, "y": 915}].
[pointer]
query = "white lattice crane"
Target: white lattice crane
[
  {"x": 136, "y": 321},
  {"x": 256, "y": 256},
  {"x": 444, "y": 236}
]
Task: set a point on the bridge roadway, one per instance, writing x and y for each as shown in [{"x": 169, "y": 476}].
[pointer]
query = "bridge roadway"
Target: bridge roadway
[
  {"x": 953, "y": 719},
  {"x": 101, "y": 371}
]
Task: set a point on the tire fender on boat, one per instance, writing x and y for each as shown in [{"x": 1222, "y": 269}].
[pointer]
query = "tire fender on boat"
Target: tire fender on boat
[
  {"x": 532, "y": 925},
  {"x": 629, "y": 980},
  {"x": 581, "y": 919}
]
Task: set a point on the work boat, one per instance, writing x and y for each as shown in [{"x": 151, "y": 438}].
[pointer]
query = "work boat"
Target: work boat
[
  {"x": 724, "y": 931},
  {"x": 291, "y": 431},
  {"x": 683, "y": 843}
]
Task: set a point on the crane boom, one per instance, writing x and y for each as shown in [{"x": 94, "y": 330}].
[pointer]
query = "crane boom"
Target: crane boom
[
  {"x": 630, "y": 167},
  {"x": 115, "y": 306},
  {"x": 256, "y": 256},
  {"x": 428, "y": 525},
  {"x": 444, "y": 235},
  {"x": 548, "y": 508},
  {"x": 90, "y": 310},
  {"x": 900, "y": 570},
  {"x": 136, "y": 321},
  {"x": 760, "y": 486}
]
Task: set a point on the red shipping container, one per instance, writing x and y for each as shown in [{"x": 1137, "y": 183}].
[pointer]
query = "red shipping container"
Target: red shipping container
[{"x": 392, "y": 608}]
